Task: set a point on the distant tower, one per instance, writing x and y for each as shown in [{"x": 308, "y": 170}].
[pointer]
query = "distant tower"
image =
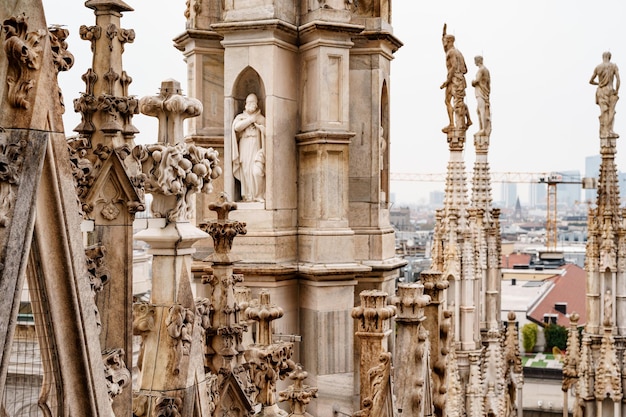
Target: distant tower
[{"x": 518, "y": 215}]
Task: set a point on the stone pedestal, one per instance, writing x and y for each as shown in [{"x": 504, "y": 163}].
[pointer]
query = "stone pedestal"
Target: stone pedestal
[{"x": 173, "y": 345}]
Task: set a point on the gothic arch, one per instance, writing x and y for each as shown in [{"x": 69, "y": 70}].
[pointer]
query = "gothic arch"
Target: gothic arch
[{"x": 249, "y": 81}]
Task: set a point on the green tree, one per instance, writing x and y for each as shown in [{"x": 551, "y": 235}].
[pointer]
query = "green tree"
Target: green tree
[
  {"x": 555, "y": 336},
  {"x": 529, "y": 336}
]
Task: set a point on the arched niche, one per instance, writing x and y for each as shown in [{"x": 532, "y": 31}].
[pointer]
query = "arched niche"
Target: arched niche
[{"x": 248, "y": 82}]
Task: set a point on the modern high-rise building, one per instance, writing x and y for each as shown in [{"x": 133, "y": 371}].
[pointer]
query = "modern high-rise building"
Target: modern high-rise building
[
  {"x": 592, "y": 169},
  {"x": 509, "y": 194}
]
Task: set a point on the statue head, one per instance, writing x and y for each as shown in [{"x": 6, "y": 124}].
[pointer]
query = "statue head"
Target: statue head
[
  {"x": 448, "y": 41},
  {"x": 252, "y": 103},
  {"x": 478, "y": 60},
  {"x": 606, "y": 56}
]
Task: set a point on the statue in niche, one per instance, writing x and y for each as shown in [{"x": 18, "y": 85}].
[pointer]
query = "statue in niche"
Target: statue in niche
[
  {"x": 482, "y": 88},
  {"x": 607, "y": 75},
  {"x": 608, "y": 308},
  {"x": 248, "y": 144},
  {"x": 455, "y": 85}
]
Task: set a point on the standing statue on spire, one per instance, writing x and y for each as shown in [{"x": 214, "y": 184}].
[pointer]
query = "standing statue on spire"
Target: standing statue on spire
[
  {"x": 482, "y": 86},
  {"x": 455, "y": 85},
  {"x": 607, "y": 74}
]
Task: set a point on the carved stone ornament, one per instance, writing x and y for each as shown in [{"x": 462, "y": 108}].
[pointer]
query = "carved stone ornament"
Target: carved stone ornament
[
  {"x": 144, "y": 315},
  {"x": 110, "y": 211},
  {"x": 223, "y": 231},
  {"x": 174, "y": 173},
  {"x": 24, "y": 52},
  {"x": 168, "y": 407},
  {"x": 117, "y": 375},
  {"x": 179, "y": 323},
  {"x": 376, "y": 405},
  {"x": 98, "y": 274},
  {"x": 63, "y": 59},
  {"x": 268, "y": 364},
  {"x": 11, "y": 159},
  {"x": 298, "y": 395},
  {"x": 91, "y": 34}
]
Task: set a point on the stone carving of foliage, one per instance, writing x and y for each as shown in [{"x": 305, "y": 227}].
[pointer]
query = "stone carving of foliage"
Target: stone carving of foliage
[
  {"x": 126, "y": 36},
  {"x": 268, "y": 364},
  {"x": 143, "y": 323},
  {"x": 378, "y": 381},
  {"x": 168, "y": 407},
  {"x": 116, "y": 373},
  {"x": 11, "y": 159},
  {"x": 176, "y": 172},
  {"x": 91, "y": 34},
  {"x": 179, "y": 323},
  {"x": 63, "y": 59},
  {"x": 98, "y": 274},
  {"x": 23, "y": 50}
]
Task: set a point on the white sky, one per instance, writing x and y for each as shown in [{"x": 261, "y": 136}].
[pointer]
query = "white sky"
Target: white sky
[{"x": 540, "y": 53}]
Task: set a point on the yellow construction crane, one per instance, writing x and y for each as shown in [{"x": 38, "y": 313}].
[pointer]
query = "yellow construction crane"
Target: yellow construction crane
[{"x": 552, "y": 180}]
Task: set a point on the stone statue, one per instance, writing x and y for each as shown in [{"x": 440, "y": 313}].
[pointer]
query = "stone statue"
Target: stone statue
[
  {"x": 455, "y": 85},
  {"x": 607, "y": 74},
  {"x": 482, "y": 87},
  {"x": 608, "y": 308},
  {"x": 248, "y": 145}
]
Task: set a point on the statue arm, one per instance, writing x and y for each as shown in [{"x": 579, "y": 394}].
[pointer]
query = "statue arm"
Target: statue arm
[
  {"x": 241, "y": 122},
  {"x": 616, "y": 79},
  {"x": 593, "y": 77}
]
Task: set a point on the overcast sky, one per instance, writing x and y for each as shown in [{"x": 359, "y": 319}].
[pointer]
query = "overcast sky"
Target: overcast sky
[{"x": 540, "y": 53}]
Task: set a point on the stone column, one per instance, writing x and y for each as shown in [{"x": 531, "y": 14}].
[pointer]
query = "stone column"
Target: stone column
[
  {"x": 172, "y": 339},
  {"x": 373, "y": 329},
  {"x": 225, "y": 337},
  {"x": 438, "y": 323},
  {"x": 108, "y": 180},
  {"x": 412, "y": 349}
]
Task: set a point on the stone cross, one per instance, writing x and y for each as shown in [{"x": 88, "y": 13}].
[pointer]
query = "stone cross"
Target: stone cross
[{"x": 171, "y": 108}]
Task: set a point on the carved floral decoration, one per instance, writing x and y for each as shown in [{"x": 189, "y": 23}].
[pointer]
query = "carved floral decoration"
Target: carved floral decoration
[
  {"x": 174, "y": 173},
  {"x": 298, "y": 395},
  {"x": 179, "y": 323},
  {"x": 11, "y": 159},
  {"x": 62, "y": 58},
  {"x": 98, "y": 274},
  {"x": 23, "y": 50},
  {"x": 168, "y": 407},
  {"x": 117, "y": 375},
  {"x": 143, "y": 323},
  {"x": 379, "y": 387}
]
